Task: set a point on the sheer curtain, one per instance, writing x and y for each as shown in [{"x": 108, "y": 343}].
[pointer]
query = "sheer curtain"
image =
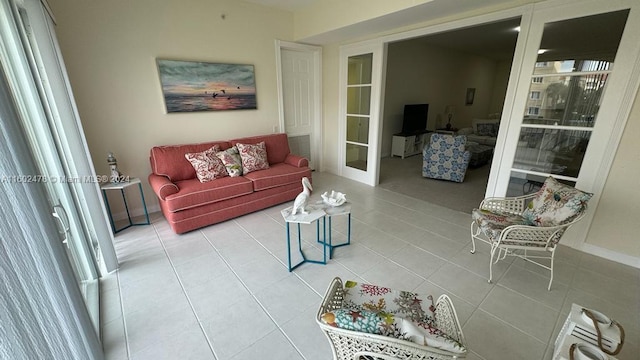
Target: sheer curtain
[{"x": 42, "y": 312}]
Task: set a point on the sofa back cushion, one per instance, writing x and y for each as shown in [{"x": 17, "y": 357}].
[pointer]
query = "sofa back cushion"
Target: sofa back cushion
[
  {"x": 277, "y": 146},
  {"x": 486, "y": 127},
  {"x": 169, "y": 160}
]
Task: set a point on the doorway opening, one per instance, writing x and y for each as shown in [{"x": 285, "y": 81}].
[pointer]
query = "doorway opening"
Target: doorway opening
[{"x": 462, "y": 75}]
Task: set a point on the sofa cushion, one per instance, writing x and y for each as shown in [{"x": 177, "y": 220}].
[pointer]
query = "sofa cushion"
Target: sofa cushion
[
  {"x": 277, "y": 146},
  {"x": 277, "y": 175},
  {"x": 254, "y": 157},
  {"x": 193, "y": 193},
  {"x": 207, "y": 165},
  {"x": 231, "y": 160},
  {"x": 169, "y": 160}
]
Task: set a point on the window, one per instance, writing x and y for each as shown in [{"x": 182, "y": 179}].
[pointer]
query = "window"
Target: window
[
  {"x": 537, "y": 80},
  {"x": 535, "y": 95},
  {"x": 533, "y": 110}
]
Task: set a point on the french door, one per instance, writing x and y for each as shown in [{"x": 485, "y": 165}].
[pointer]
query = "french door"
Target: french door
[
  {"x": 575, "y": 70},
  {"x": 360, "y": 109}
]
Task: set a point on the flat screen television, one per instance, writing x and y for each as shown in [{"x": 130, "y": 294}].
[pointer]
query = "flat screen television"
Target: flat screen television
[{"x": 415, "y": 118}]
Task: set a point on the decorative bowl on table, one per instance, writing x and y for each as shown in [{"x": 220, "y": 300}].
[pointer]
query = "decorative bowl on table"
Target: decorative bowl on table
[{"x": 334, "y": 198}]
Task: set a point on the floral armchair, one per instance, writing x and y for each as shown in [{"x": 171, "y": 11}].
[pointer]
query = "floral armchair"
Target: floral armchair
[
  {"x": 446, "y": 158},
  {"x": 517, "y": 226}
]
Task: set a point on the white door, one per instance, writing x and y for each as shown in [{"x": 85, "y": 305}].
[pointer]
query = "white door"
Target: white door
[
  {"x": 569, "y": 99},
  {"x": 300, "y": 99},
  {"x": 360, "y": 94}
]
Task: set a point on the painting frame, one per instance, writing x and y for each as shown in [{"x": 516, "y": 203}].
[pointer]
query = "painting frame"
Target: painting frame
[
  {"x": 195, "y": 86},
  {"x": 471, "y": 94}
]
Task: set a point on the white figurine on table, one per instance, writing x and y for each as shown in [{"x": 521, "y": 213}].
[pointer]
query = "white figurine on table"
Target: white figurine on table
[{"x": 301, "y": 201}]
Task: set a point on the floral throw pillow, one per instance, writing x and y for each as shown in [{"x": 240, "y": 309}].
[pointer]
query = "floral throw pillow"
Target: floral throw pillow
[
  {"x": 231, "y": 160},
  {"x": 556, "y": 204},
  {"x": 354, "y": 319},
  {"x": 254, "y": 157},
  {"x": 208, "y": 167},
  {"x": 485, "y": 129}
]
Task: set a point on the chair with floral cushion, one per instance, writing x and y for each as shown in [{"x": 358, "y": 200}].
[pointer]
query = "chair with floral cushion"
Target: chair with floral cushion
[
  {"x": 446, "y": 158},
  {"x": 367, "y": 321},
  {"x": 515, "y": 226}
]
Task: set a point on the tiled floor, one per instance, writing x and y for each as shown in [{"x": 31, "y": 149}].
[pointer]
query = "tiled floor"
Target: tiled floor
[{"x": 224, "y": 292}]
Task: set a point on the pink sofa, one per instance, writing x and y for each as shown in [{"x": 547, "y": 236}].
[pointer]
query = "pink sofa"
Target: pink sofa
[{"x": 188, "y": 204}]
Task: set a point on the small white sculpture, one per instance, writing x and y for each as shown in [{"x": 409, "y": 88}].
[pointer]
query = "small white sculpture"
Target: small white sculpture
[
  {"x": 301, "y": 201},
  {"x": 116, "y": 176},
  {"x": 336, "y": 198}
]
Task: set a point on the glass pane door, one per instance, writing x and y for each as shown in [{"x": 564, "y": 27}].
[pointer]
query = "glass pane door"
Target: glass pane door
[
  {"x": 567, "y": 86},
  {"x": 358, "y": 110}
]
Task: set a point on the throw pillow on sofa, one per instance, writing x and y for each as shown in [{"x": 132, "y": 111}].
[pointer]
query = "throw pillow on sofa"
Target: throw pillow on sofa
[
  {"x": 207, "y": 165},
  {"x": 254, "y": 157},
  {"x": 231, "y": 160}
]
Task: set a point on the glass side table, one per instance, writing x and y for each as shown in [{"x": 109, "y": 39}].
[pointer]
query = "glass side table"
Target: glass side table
[
  {"x": 122, "y": 186},
  {"x": 315, "y": 214}
]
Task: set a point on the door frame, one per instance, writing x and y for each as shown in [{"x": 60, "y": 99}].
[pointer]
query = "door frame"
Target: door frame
[{"x": 316, "y": 136}]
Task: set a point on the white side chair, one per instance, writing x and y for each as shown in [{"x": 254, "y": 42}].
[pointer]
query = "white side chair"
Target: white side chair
[{"x": 534, "y": 223}]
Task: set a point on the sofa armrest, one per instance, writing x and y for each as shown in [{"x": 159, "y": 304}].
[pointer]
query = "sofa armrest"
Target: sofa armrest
[
  {"x": 297, "y": 161},
  {"x": 162, "y": 186}
]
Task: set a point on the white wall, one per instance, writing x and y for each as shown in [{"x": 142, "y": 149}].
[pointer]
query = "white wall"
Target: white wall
[{"x": 110, "y": 49}]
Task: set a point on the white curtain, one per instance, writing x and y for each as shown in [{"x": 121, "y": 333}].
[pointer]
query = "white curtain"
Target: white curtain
[{"x": 42, "y": 313}]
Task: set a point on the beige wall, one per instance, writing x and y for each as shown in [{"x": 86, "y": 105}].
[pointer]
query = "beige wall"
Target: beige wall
[
  {"x": 420, "y": 73},
  {"x": 327, "y": 15},
  {"x": 110, "y": 48},
  {"x": 615, "y": 226}
]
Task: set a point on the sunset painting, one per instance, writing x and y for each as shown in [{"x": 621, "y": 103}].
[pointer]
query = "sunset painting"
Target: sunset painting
[{"x": 198, "y": 86}]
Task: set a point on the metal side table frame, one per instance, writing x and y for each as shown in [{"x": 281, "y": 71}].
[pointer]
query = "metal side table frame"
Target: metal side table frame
[
  {"x": 122, "y": 186},
  {"x": 314, "y": 215}
]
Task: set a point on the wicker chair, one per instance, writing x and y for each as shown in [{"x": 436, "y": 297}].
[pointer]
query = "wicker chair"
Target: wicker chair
[
  {"x": 507, "y": 225},
  {"x": 355, "y": 345}
]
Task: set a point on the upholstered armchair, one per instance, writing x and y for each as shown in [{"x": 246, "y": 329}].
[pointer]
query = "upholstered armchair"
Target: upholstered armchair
[
  {"x": 534, "y": 223},
  {"x": 446, "y": 158}
]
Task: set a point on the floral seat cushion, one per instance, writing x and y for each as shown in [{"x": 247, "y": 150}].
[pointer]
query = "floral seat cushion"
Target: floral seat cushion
[
  {"x": 399, "y": 314},
  {"x": 492, "y": 223}
]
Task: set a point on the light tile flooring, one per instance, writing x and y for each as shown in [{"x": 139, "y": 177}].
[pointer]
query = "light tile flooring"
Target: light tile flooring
[{"x": 224, "y": 292}]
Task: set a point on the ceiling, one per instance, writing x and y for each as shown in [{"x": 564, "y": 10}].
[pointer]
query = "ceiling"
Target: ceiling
[{"x": 492, "y": 40}]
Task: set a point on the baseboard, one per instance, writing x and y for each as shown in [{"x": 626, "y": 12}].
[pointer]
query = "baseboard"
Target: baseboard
[
  {"x": 611, "y": 255},
  {"x": 122, "y": 215}
]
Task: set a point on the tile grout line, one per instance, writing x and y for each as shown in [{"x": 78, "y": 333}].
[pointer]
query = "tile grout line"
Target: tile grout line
[
  {"x": 124, "y": 320},
  {"x": 264, "y": 309},
  {"x": 184, "y": 292}
]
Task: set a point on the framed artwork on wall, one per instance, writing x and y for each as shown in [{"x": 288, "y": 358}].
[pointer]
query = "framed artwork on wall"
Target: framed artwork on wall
[
  {"x": 189, "y": 86},
  {"x": 471, "y": 94}
]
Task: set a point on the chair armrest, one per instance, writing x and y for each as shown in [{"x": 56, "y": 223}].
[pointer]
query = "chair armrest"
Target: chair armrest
[
  {"x": 162, "y": 186},
  {"x": 507, "y": 205},
  {"x": 297, "y": 161}
]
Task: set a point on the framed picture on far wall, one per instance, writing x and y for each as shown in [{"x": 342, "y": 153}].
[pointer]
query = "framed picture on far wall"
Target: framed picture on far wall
[
  {"x": 189, "y": 86},
  {"x": 471, "y": 94}
]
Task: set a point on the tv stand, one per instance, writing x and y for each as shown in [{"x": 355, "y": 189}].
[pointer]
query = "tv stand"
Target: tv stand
[{"x": 405, "y": 145}]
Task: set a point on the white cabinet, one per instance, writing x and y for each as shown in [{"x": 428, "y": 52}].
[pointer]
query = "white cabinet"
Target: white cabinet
[{"x": 407, "y": 145}]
